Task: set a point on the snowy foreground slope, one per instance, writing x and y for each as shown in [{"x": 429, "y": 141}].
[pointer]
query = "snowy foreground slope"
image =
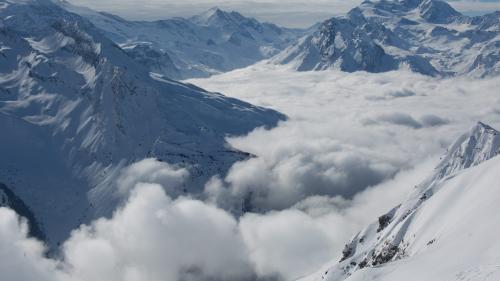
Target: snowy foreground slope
[
  {"x": 212, "y": 42},
  {"x": 75, "y": 108},
  {"x": 426, "y": 36},
  {"x": 446, "y": 230}
]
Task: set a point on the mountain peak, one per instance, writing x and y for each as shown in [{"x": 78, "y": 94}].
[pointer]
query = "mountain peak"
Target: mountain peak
[
  {"x": 471, "y": 149},
  {"x": 217, "y": 18},
  {"x": 437, "y": 11},
  {"x": 215, "y": 11},
  {"x": 212, "y": 16}
]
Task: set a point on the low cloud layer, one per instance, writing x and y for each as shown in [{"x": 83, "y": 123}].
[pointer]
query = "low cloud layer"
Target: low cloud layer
[
  {"x": 150, "y": 239},
  {"x": 346, "y": 132},
  {"x": 403, "y": 119},
  {"x": 155, "y": 238},
  {"x": 152, "y": 171}
]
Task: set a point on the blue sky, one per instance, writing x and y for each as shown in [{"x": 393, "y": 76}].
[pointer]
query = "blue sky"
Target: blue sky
[{"x": 292, "y": 13}]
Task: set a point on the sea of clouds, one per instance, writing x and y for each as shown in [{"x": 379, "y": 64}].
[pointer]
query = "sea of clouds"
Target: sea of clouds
[
  {"x": 354, "y": 146},
  {"x": 346, "y": 131}
]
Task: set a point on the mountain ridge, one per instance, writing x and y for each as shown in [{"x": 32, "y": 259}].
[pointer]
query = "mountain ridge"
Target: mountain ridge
[
  {"x": 213, "y": 42},
  {"x": 424, "y": 36}
]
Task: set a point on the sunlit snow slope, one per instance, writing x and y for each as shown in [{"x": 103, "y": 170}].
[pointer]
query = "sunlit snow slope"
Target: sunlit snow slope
[
  {"x": 75, "y": 108},
  {"x": 447, "y": 228}
]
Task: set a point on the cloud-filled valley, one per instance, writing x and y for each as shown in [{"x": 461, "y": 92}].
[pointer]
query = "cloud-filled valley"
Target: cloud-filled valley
[
  {"x": 346, "y": 131},
  {"x": 310, "y": 186},
  {"x": 153, "y": 237}
]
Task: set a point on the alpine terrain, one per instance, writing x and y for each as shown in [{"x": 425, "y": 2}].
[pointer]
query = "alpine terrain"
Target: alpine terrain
[
  {"x": 115, "y": 166},
  {"x": 425, "y": 36},
  {"x": 210, "y": 43},
  {"x": 75, "y": 108}
]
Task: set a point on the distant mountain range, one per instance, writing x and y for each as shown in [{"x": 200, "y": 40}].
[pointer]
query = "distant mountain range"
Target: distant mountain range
[
  {"x": 210, "y": 43},
  {"x": 425, "y": 36}
]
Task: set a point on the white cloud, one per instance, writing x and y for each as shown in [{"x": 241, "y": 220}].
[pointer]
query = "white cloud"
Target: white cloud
[
  {"x": 155, "y": 238},
  {"x": 152, "y": 171},
  {"x": 296, "y": 241},
  {"x": 289, "y": 242},
  {"x": 151, "y": 238},
  {"x": 22, "y": 258},
  {"x": 403, "y": 119},
  {"x": 323, "y": 151},
  {"x": 346, "y": 132}
]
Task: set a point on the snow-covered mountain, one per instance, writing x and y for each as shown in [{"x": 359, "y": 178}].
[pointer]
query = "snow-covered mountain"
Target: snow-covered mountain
[
  {"x": 75, "y": 109},
  {"x": 446, "y": 229},
  {"x": 212, "y": 42},
  {"x": 426, "y": 36}
]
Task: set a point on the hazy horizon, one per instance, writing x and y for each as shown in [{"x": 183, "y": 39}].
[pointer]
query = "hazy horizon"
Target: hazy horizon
[{"x": 294, "y": 14}]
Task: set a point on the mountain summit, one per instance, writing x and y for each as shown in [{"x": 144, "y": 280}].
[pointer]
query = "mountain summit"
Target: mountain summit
[
  {"x": 471, "y": 149},
  {"x": 218, "y": 17}
]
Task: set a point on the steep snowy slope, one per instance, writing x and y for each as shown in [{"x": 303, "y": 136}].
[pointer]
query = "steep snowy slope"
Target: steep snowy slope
[
  {"x": 426, "y": 36},
  {"x": 10, "y": 200},
  {"x": 213, "y": 42},
  {"x": 75, "y": 108},
  {"x": 446, "y": 229},
  {"x": 157, "y": 61}
]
